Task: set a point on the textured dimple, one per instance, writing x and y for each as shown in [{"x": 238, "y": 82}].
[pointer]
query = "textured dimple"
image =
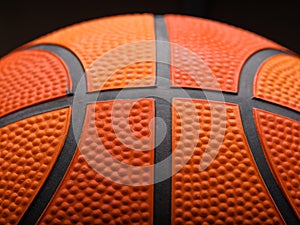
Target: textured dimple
[
  {"x": 230, "y": 190},
  {"x": 278, "y": 81},
  {"x": 94, "y": 42},
  {"x": 88, "y": 194},
  {"x": 280, "y": 137},
  {"x": 28, "y": 151},
  {"x": 30, "y": 77},
  {"x": 223, "y": 48}
]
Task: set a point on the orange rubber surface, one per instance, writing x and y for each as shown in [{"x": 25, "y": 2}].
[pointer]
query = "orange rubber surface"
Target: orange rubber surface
[
  {"x": 29, "y": 149},
  {"x": 223, "y": 48},
  {"x": 30, "y": 77},
  {"x": 278, "y": 81},
  {"x": 230, "y": 190},
  {"x": 280, "y": 137},
  {"x": 94, "y": 43},
  {"x": 87, "y": 194}
]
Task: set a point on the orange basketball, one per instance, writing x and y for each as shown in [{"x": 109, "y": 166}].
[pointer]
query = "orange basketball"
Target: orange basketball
[{"x": 143, "y": 119}]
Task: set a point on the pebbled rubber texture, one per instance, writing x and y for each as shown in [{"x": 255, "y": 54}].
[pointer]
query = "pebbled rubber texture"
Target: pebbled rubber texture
[
  {"x": 94, "y": 41},
  {"x": 230, "y": 190},
  {"x": 29, "y": 149},
  {"x": 278, "y": 81},
  {"x": 223, "y": 48},
  {"x": 30, "y": 77},
  {"x": 280, "y": 138},
  {"x": 87, "y": 195}
]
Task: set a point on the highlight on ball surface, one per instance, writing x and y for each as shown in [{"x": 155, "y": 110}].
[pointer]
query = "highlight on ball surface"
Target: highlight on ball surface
[{"x": 150, "y": 119}]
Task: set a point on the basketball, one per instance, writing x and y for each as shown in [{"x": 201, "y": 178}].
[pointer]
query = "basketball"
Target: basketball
[{"x": 150, "y": 119}]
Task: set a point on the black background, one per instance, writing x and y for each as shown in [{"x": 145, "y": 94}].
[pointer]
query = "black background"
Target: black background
[{"x": 23, "y": 21}]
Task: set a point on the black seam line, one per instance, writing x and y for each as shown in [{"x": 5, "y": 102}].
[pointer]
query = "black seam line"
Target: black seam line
[
  {"x": 163, "y": 109},
  {"x": 44, "y": 107},
  {"x": 61, "y": 165},
  {"x": 93, "y": 97},
  {"x": 137, "y": 93},
  {"x": 246, "y": 104},
  {"x": 277, "y": 109}
]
